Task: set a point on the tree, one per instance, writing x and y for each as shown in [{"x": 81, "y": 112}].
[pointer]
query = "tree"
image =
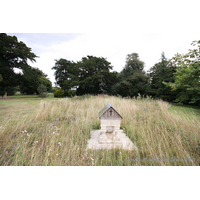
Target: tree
[
  {"x": 91, "y": 75},
  {"x": 13, "y": 54},
  {"x": 66, "y": 74},
  {"x": 31, "y": 79},
  {"x": 187, "y": 75},
  {"x": 133, "y": 62},
  {"x": 132, "y": 79},
  {"x": 42, "y": 91},
  {"x": 162, "y": 72},
  {"x": 46, "y": 82},
  {"x": 94, "y": 75}
]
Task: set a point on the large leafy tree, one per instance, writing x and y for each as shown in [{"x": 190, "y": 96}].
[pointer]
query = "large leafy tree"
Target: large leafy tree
[
  {"x": 31, "y": 79},
  {"x": 13, "y": 54},
  {"x": 94, "y": 75},
  {"x": 162, "y": 72},
  {"x": 91, "y": 75},
  {"x": 132, "y": 79},
  {"x": 187, "y": 75},
  {"x": 66, "y": 74}
]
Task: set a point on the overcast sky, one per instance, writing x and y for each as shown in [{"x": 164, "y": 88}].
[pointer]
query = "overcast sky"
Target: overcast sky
[
  {"x": 109, "y": 29},
  {"x": 113, "y": 46}
]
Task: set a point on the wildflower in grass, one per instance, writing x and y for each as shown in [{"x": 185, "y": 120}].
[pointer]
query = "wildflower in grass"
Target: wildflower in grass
[
  {"x": 28, "y": 135},
  {"x": 87, "y": 159},
  {"x": 35, "y": 142},
  {"x": 53, "y": 132},
  {"x": 59, "y": 144},
  {"x": 25, "y": 131},
  {"x": 57, "y": 134},
  {"x": 57, "y": 154},
  {"x": 50, "y": 150}
]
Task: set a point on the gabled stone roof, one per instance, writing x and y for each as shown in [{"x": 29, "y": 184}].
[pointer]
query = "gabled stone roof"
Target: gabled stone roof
[{"x": 106, "y": 108}]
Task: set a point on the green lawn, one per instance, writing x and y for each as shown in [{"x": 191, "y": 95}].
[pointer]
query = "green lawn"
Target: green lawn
[
  {"x": 192, "y": 111},
  {"x": 18, "y": 105},
  {"x": 18, "y": 95}
]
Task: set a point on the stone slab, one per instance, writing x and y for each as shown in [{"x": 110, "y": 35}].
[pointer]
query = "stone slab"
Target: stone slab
[{"x": 124, "y": 143}]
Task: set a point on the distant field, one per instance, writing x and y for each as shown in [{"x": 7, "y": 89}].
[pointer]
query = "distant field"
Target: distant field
[
  {"x": 187, "y": 110},
  {"x": 18, "y": 95},
  {"x": 55, "y": 132}
]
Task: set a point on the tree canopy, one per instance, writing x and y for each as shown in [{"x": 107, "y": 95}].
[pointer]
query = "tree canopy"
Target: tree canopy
[
  {"x": 162, "y": 72},
  {"x": 187, "y": 75},
  {"x": 31, "y": 79},
  {"x": 66, "y": 74},
  {"x": 132, "y": 79},
  {"x": 13, "y": 54},
  {"x": 91, "y": 75}
]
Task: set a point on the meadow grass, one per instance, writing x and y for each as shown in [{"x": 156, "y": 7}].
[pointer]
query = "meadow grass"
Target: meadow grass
[{"x": 56, "y": 133}]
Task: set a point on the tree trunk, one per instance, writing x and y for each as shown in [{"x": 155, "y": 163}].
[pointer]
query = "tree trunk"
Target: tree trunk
[{"x": 5, "y": 95}]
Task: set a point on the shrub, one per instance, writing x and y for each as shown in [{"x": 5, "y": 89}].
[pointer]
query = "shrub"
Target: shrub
[
  {"x": 42, "y": 90},
  {"x": 59, "y": 93},
  {"x": 70, "y": 93}
]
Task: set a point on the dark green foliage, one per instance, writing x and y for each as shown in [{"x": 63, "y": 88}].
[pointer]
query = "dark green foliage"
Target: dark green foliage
[
  {"x": 70, "y": 93},
  {"x": 132, "y": 79},
  {"x": 13, "y": 54},
  {"x": 9, "y": 78},
  {"x": 162, "y": 72},
  {"x": 42, "y": 91},
  {"x": 66, "y": 74},
  {"x": 45, "y": 81},
  {"x": 89, "y": 76},
  {"x": 95, "y": 77},
  {"x": 187, "y": 76},
  {"x": 32, "y": 78},
  {"x": 10, "y": 91},
  {"x": 67, "y": 93},
  {"x": 53, "y": 89}
]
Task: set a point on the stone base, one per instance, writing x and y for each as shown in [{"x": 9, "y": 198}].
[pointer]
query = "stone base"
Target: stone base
[
  {"x": 108, "y": 138},
  {"x": 122, "y": 141}
]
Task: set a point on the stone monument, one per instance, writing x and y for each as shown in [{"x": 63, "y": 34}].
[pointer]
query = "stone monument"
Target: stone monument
[
  {"x": 110, "y": 135},
  {"x": 110, "y": 125}
]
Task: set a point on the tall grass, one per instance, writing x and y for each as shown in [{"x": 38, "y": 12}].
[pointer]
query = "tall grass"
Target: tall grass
[{"x": 57, "y": 134}]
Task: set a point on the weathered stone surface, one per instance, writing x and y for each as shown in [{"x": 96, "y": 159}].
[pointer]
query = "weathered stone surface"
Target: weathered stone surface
[
  {"x": 110, "y": 135},
  {"x": 120, "y": 141}
]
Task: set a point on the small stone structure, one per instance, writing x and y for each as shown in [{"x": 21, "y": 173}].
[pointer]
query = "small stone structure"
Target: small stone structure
[
  {"x": 110, "y": 135},
  {"x": 110, "y": 125}
]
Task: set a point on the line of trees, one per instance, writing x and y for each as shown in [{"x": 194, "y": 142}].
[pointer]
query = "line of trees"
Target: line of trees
[
  {"x": 15, "y": 55},
  {"x": 176, "y": 79}
]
